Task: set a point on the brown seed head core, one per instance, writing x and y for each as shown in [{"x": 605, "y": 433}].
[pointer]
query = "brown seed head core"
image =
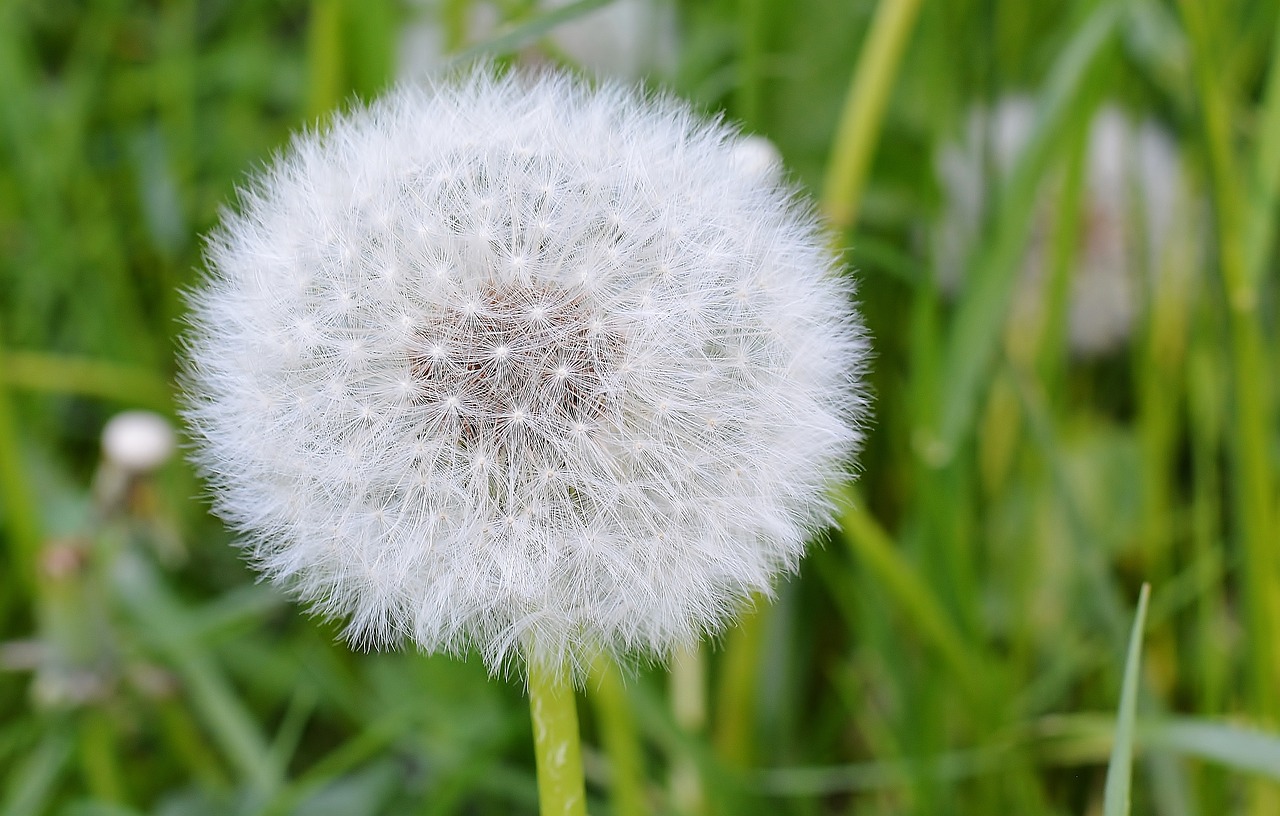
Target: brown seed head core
[{"x": 516, "y": 361}]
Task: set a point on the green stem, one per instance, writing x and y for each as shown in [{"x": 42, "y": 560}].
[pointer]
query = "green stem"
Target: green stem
[
  {"x": 1252, "y": 426},
  {"x": 736, "y": 693},
  {"x": 859, "y": 127},
  {"x": 100, "y": 757},
  {"x": 689, "y": 708},
  {"x": 621, "y": 742},
  {"x": 751, "y": 33},
  {"x": 561, "y": 791},
  {"x": 324, "y": 46},
  {"x": 1261, "y": 226},
  {"x": 17, "y": 501}
]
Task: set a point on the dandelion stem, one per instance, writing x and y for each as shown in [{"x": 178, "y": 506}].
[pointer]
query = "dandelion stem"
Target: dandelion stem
[{"x": 561, "y": 791}]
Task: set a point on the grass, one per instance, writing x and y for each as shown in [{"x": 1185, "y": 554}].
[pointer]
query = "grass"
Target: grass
[{"x": 959, "y": 644}]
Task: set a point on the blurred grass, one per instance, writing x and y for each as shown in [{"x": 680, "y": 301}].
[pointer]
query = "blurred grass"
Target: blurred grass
[{"x": 958, "y": 644}]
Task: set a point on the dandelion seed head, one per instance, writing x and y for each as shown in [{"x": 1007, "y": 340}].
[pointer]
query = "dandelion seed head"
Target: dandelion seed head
[
  {"x": 520, "y": 436},
  {"x": 138, "y": 441},
  {"x": 1134, "y": 201}
]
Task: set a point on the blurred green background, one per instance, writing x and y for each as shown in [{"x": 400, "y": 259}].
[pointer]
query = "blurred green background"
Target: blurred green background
[{"x": 1062, "y": 216}]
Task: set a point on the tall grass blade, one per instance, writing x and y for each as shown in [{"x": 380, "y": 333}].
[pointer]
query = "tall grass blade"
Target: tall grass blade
[{"x": 1119, "y": 771}]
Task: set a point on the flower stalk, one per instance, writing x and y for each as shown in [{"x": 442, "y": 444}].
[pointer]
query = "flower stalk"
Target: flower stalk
[{"x": 561, "y": 790}]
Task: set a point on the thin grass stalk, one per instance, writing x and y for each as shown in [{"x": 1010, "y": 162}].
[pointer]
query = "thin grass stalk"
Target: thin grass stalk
[
  {"x": 325, "y": 58},
  {"x": 1251, "y": 429},
  {"x": 19, "y": 504},
  {"x": 183, "y": 738},
  {"x": 176, "y": 96},
  {"x": 751, "y": 30},
  {"x": 1158, "y": 363},
  {"x": 620, "y": 739},
  {"x": 526, "y": 29},
  {"x": 688, "y": 680},
  {"x": 975, "y": 334},
  {"x": 861, "y": 120},
  {"x": 1205, "y": 424},
  {"x": 872, "y": 546},
  {"x": 1051, "y": 347},
  {"x": 1116, "y": 796},
  {"x": 32, "y": 783},
  {"x": 1260, "y": 230},
  {"x": 557, "y": 750},
  {"x": 100, "y": 757},
  {"x": 735, "y": 719},
  {"x": 84, "y": 376},
  {"x": 226, "y": 717}
]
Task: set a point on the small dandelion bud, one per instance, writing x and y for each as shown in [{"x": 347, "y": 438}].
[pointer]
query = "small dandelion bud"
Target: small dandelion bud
[
  {"x": 758, "y": 157},
  {"x": 137, "y": 441},
  {"x": 597, "y": 406}
]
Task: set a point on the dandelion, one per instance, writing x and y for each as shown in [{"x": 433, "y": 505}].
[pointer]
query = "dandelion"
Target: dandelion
[
  {"x": 137, "y": 441},
  {"x": 1133, "y": 196},
  {"x": 134, "y": 444},
  {"x": 517, "y": 365}
]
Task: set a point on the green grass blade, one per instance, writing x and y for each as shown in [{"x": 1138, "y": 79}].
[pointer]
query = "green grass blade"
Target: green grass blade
[
  {"x": 975, "y": 335},
  {"x": 32, "y": 782},
  {"x": 225, "y": 716},
  {"x": 619, "y": 737},
  {"x": 1240, "y": 749},
  {"x": 1116, "y": 798},
  {"x": 872, "y": 546},
  {"x": 1260, "y": 229},
  {"x": 84, "y": 376},
  {"x": 860, "y": 122},
  {"x": 18, "y": 507}
]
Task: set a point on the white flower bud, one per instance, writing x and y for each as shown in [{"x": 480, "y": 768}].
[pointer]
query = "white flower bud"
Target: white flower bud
[
  {"x": 519, "y": 365},
  {"x": 138, "y": 441},
  {"x": 756, "y": 156}
]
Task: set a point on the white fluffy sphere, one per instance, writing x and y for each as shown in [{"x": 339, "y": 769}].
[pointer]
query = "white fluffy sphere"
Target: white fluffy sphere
[
  {"x": 138, "y": 441},
  {"x": 525, "y": 366}
]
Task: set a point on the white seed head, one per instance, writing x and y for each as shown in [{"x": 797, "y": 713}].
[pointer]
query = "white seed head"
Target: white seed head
[
  {"x": 1134, "y": 199},
  {"x": 137, "y": 441},
  {"x": 608, "y": 445}
]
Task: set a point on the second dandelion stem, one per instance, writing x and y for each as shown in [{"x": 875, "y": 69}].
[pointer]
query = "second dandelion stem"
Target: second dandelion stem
[{"x": 561, "y": 791}]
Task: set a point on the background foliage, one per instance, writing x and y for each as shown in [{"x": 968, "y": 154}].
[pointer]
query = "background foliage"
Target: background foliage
[{"x": 957, "y": 646}]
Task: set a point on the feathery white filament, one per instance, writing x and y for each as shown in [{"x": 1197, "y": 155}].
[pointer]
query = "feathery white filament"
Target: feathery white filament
[{"x": 525, "y": 366}]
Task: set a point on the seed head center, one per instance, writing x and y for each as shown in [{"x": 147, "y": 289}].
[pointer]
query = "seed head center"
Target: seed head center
[{"x": 514, "y": 362}]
